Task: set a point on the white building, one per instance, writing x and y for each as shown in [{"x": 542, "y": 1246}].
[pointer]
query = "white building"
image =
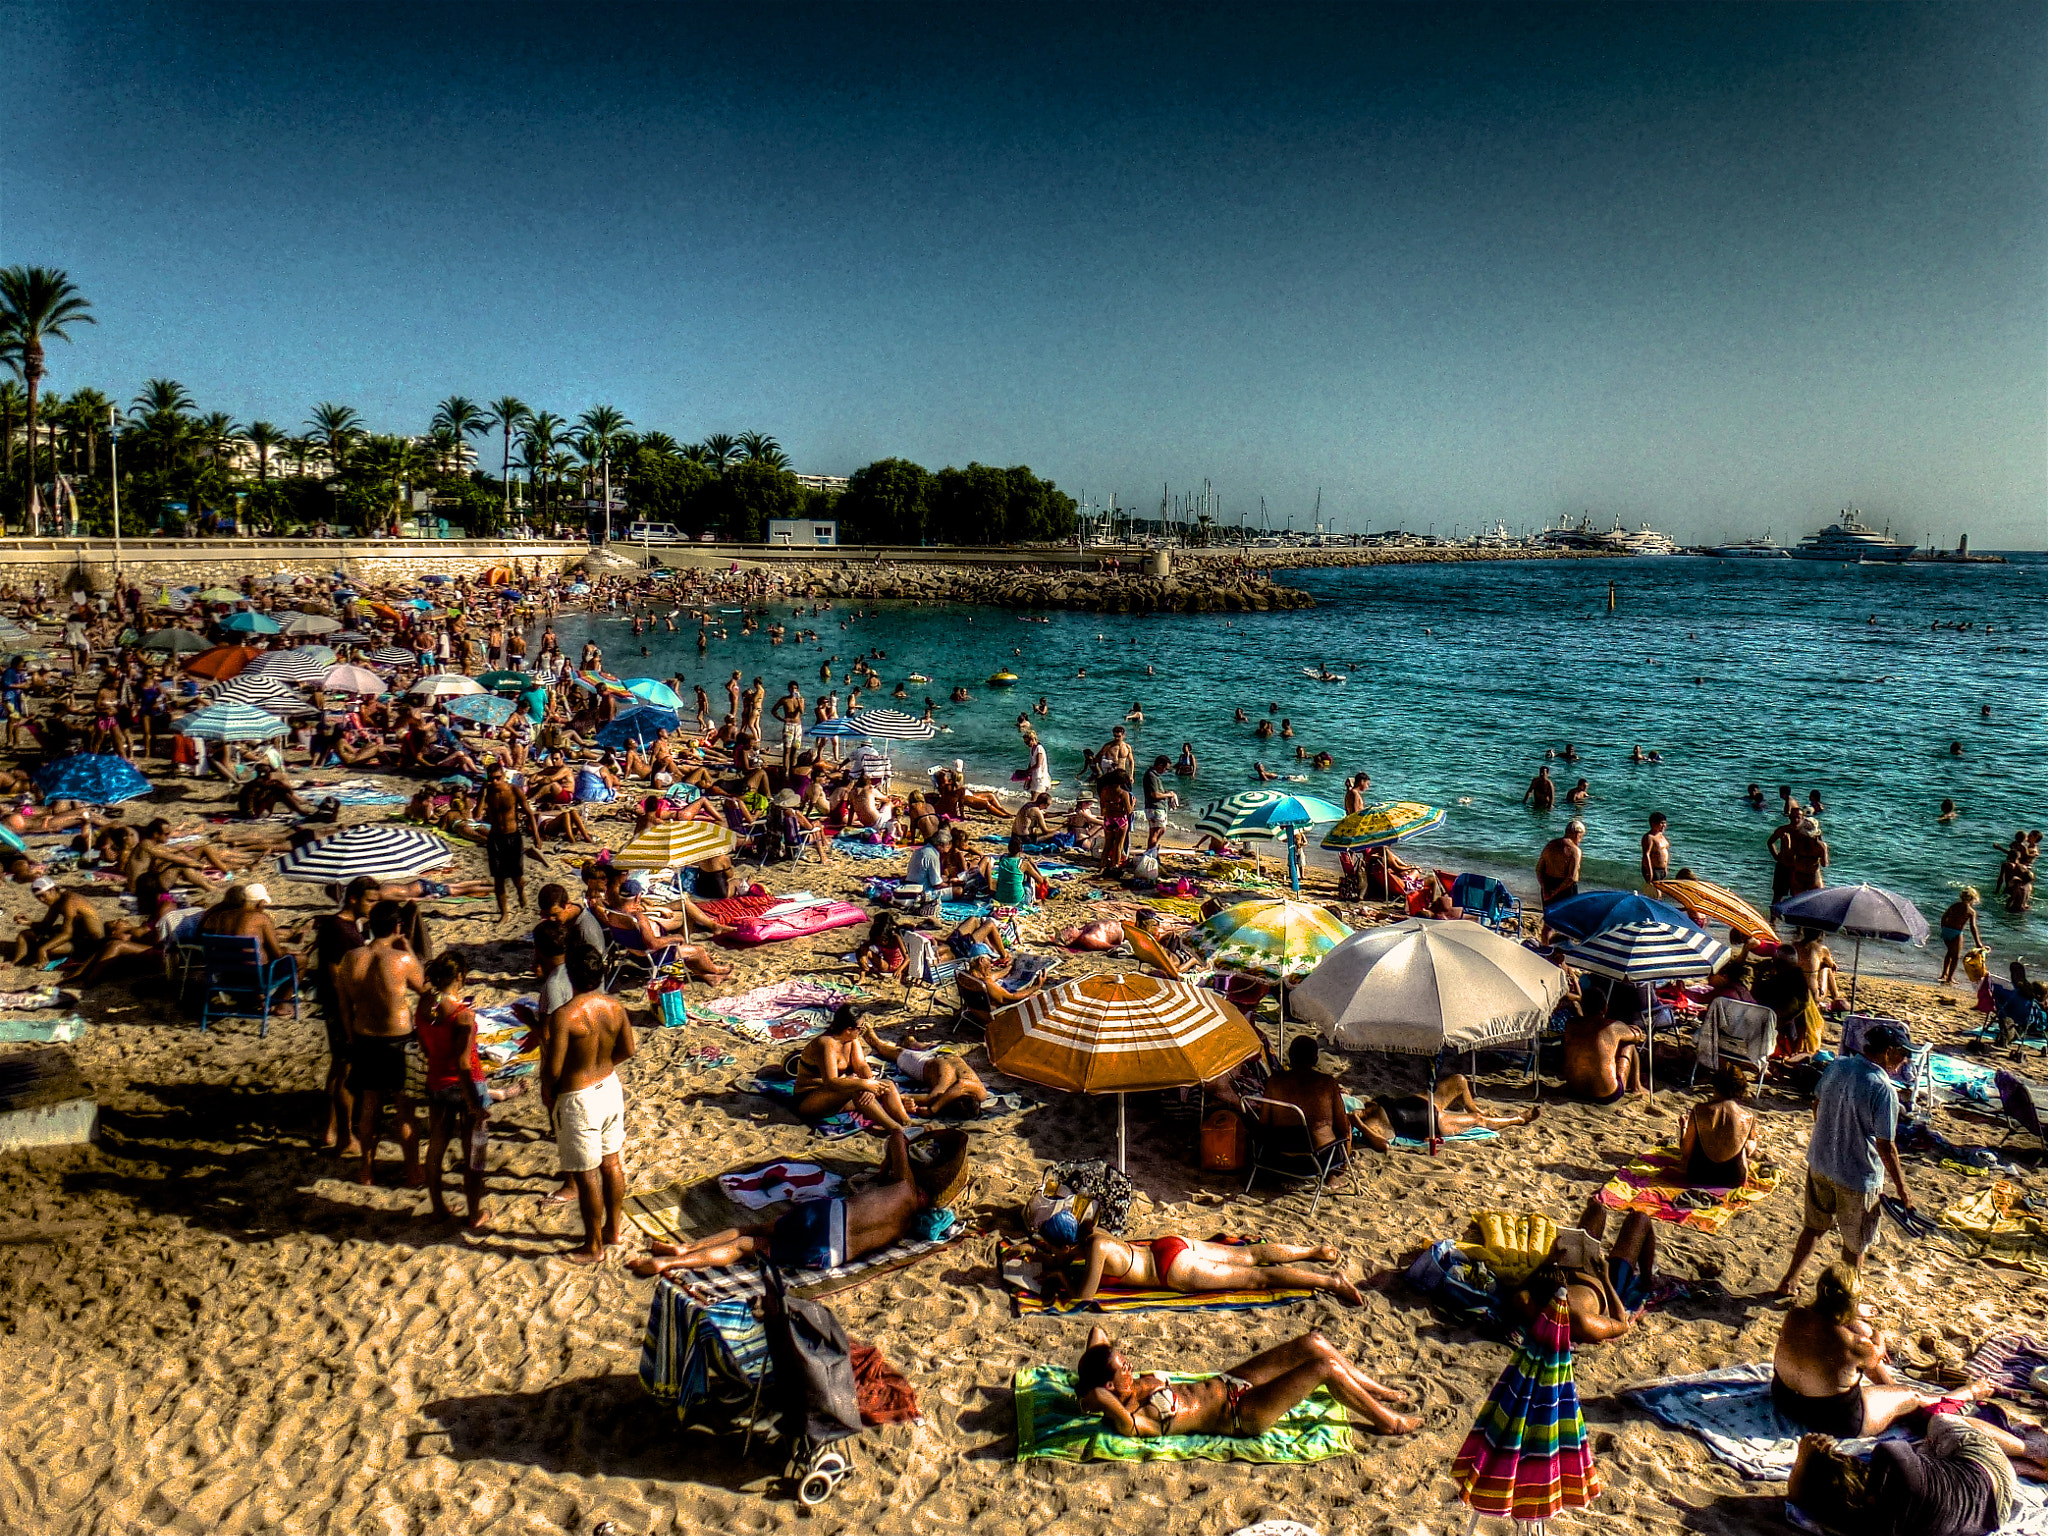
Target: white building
[
  {"x": 832, "y": 483},
  {"x": 809, "y": 532}
]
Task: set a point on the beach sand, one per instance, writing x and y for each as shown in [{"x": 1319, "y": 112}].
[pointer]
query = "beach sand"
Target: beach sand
[{"x": 206, "y": 1327}]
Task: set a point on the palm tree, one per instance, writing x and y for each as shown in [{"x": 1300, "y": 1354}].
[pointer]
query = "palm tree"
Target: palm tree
[
  {"x": 12, "y": 404},
  {"x": 720, "y": 450},
  {"x": 459, "y": 416},
  {"x": 335, "y": 427},
  {"x": 448, "y": 447},
  {"x": 695, "y": 453},
  {"x": 301, "y": 449},
  {"x": 603, "y": 427},
  {"x": 160, "y": 410},
  {"x": 89, "y": 410},
  {"x": 507, "y": 414},
  {"x": 757, "y": 445},
  {"x": 537, "y": 441},
  {"x": 263, "y": 437},
  {"x": 216, "y": 433},
  {"x": 38, "y": 304},
  {"x": 658, "y": 443}
]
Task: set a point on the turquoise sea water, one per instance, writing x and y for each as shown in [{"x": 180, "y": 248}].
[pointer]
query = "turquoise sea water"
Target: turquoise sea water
[{"x": 1823, "y": 677}]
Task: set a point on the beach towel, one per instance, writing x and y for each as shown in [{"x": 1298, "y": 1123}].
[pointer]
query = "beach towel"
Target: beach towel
[
  {"x": 689, "y": 1351},
  {"x": 1652, "y": 1186},
  {"x": 1959, "y": 1080},
  {"x": 2010, "y": 1359},
  {"x": 1985, "y": 1226},
  {"x": 780, "y": 1012},
  {"x": 1051, "y": 1426},
  {"x": 885, "y": 1395},
  {"x": 733, "y": 909},
  {"x": 833, "y": 1127},
  {"x": 858, "y": 848},
  {"x": 1018, "y": 1265},
  {"x": 1477, "y": 1133},
  {"x": 1730, "y": 1411}
]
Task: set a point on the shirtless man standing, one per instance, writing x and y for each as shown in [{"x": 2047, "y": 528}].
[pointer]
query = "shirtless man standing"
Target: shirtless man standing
[
  {"x": 1541, "y": 794},
  {"x": 587, "y": 1038},
  {"x": 789, "y": 709},
  {"x": 1657, "y": 850},
  {"x": 1557, "y": 867},
  {"x": 504, "y": 808},
  {"x": 374, "y": 986}
]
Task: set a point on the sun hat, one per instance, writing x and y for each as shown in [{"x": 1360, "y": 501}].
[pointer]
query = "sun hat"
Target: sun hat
[
  {"x": 256, "y": 895},
  {"x": 787, "y": 799}
]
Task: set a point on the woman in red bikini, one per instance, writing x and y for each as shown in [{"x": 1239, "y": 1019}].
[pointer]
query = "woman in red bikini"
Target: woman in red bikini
[
  {"x": 1246, "y": 1400},
  {"x": 1175, "y": 1263}
]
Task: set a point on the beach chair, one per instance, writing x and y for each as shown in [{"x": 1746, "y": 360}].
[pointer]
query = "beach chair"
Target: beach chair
[
  {"x": 1286, "y": 1150},
  {"x": 628, "y": 960},
  {"x": 2022, "y": 1106},
  {"x": 1748, "y": 1032},
  {"x": 1856, "y": 1026},
  {"x": 238, "y": 985},
  {"x": 923, "y": 967},
  {"x": 184, "y": 957},
  {"x": 2019, "y": 1019},
  {"x": 1487, "y": 900}
]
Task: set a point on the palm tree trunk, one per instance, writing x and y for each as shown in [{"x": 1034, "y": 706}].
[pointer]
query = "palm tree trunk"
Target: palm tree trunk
[
  {"x": 505, "y": 473},
  {"x": 32, "y": 374}
]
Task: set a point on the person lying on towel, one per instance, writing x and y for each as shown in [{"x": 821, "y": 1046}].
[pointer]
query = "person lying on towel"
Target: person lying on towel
[
  {"x": 1246, "y": 1400},
  {"x": 824, "y": 1234},
  {"x": 1174, "y": 1263}
]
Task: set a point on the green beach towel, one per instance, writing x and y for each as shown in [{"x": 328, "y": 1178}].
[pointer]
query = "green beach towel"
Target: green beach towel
[{"x": 1051, "y": 1426}]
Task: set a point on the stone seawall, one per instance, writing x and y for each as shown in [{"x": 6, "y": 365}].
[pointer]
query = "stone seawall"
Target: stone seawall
[
  {"x": 1306, "y": 559},
  {"x": 151, "y": 563},
  {"x": 1194, "y": 592}
]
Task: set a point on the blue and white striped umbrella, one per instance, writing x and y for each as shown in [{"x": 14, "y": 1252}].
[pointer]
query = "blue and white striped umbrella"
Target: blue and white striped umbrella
[
  {"x": 260, "y": 693},
  {"x": 893, "y": 725},
  {"x": 1649, "y": 950},
  {"x": 308, "y": 664},
  {"x": 840, "y": 728},
  {"x": 233, "y": 722},
  {"x": 392, "y": 656},
  {"x": 1264, "y": 813},
  {"x": 377, "y": 849}
]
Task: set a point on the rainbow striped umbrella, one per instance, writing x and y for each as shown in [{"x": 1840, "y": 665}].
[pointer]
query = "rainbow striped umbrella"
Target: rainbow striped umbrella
[
  {"x": 1390, "y": 821},
  {"x": 1118, "y": 1033},
  {"x": 1268, "y": 936},
  {"x": 1528, "y": 1457}
]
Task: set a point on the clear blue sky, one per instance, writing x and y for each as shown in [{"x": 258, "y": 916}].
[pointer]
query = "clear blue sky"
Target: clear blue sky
[{"x": 1717, "y": 268}]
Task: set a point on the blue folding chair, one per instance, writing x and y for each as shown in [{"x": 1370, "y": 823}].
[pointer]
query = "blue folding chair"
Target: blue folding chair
[
  {"x": 1484, "y": 898},
  {"x": 238, "y": 984}
]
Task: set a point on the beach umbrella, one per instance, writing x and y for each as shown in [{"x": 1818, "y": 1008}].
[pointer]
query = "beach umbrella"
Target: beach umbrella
[
  {"x": 638, "y": 726},
  {"x": 1528, "y": 1457},
  {"x": 11, "y": 839},
  {"x": 446, "y": 685},
  {"x": 310, "y": 624},
  {"x": 219, "y": 595},
  {"x": 839, "y": 728},
  {"x": 1389, "y": 821},
  {"x": 345, "y": 678},
  {"x": 671, "y": 844},
  {"x": 1704, "y": 902},
  {"x": 654, "y": 691},
  {"x": 303, "y": 666},
  {"x": 248, "y": 622},
  {"x": 893, "y": 725},
  {"x": 260, "y": 693},
  {"x": 578, "y": 588},
  {"x": 1120, "y": 1033},
  {"x": 348, "y": 637},
  {"x": 497, "y": 680},
  {"x": 482, "y": 708},
  {"x": 392, "y": 656},
  {"x": 1858, "y": 912},
  {"x": 178, "y": 641},
  {"x": 1268, "y": 936},
  {"x": 1592, "y": 912},
  {"x": 222, "y": 662},
  {"x": 1268, "y": 813},
  {"x": 1422, "y": 987},
  {"x": 94, "y": 778},
  {"x": 1632, "y": 938},
  {"x": 377, "y": 849},
  {"x": 229, "y": 721}
]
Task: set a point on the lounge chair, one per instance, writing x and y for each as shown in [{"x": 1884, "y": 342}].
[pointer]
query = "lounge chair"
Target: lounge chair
[
  {"x": 239, "y": 985},
  {"x": 2021, "y": 1020},
  {"x": 1486, "y": 899},
  {"x": 2022, "y": 1105},
  {"x": 628, "y": 959},
  {"x": 1287, "y": 1151}
]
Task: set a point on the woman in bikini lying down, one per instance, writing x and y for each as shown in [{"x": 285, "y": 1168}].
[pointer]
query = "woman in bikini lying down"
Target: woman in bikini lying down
[
  {"x": 1174, "y": 1263},
  {"x": 1246, "y": 1400}
]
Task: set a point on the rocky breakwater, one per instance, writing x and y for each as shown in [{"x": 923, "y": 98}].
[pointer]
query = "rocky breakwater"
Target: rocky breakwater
[{"x": 1197, "y": 591}]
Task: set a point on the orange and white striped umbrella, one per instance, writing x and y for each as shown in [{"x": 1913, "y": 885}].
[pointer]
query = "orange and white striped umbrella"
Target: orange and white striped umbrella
[
  {"x": 1711, "y": 903},
  {"x": 1120, "y": 1033}
]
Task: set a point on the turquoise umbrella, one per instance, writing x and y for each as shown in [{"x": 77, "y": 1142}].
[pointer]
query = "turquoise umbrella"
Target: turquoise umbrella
[
  {"x": 1268, "y": 813},
  {"x": 653, "y": 690},
  {"x": 248, "y": 622}
]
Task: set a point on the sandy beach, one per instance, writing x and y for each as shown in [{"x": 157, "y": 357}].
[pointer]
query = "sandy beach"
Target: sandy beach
[{"x": 212, "y": 1330}]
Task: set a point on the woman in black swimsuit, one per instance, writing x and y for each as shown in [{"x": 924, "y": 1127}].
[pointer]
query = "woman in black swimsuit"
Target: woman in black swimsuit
[
  {"x": 1452, "y": 1109},
  {"x": 1716, "y": 1126}
]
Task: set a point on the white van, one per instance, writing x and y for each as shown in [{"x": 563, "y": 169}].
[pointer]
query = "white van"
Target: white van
[{"x": 655, "y": 533}]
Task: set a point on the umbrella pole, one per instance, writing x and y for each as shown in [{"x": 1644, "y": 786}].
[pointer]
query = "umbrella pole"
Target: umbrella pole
[
  {"x": 1855, "y": 974},
  {"x": 1436, "y": 1067},
  {"x": 1120, "y": 1168},
  {"x": 1650, "y": 1036}
]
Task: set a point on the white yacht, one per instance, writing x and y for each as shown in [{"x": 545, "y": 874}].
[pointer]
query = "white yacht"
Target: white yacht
[
  {"x": 1849, "y": 542},
  {"x": 1764, "y": 548}
]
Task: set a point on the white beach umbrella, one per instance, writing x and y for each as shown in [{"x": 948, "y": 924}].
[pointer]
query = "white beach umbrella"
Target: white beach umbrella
[{"x": 447, "y": 685}]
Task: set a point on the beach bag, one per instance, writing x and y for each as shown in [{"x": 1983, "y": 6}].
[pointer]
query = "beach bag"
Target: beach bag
[
  {"x": 1226, "y": 1141},
  {"x": 813, "y": 1367},
  {"x": 1145, "y": 866},
  {"x": 673, "y": 1010},
  {"x": 1974, "y": 965},
  {"x": 1457, "y": 1286}
]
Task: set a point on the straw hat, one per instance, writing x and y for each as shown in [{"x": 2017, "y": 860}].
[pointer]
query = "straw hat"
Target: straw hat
[
  {"x": 938, "y": 1164},
  {"x": 787, "y": 799}
]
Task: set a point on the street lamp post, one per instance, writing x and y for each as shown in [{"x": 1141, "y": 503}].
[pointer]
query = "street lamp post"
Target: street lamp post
[{"x": 114, "y": 471}]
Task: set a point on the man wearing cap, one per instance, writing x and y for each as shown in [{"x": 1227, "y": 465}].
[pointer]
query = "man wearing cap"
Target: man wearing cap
[
  {"x": 1855, "y": 1123},
  {"x": 927, "y": 865},
  {"x": 68, "y": 926},
  {"x": 240, "y": 914}
]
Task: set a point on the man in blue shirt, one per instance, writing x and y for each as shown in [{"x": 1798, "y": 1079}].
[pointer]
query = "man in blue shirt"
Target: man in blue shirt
[
  {"x": 1855, "y": 1127},
  {"x": 925, "y": 864}
]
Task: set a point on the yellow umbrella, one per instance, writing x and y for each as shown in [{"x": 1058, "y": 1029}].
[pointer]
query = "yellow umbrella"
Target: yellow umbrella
[
  {"x": 1710, "y": 903},
  {"x": 1120, "y": 1033},
  {"x": 667, "y": 844}
]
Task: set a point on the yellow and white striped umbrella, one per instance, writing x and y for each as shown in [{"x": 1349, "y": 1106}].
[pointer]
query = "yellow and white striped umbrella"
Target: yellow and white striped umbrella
[
  {"x": 1268, "y": 936},
  {"x": 1120, "y": 1033},
  {"x": 667, "y": 844}
]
